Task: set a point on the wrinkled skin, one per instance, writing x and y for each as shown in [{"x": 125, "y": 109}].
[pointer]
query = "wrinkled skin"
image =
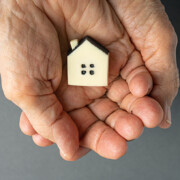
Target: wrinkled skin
[{"x": 143, "y": 75}]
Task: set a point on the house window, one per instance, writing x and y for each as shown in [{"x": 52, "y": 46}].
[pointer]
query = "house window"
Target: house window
[
  {"x": 91, "y": 72},
  {"x": 83, "y": 72},
  {"x": 85, "y": 69},
  {"x": 92, "y": 65}
]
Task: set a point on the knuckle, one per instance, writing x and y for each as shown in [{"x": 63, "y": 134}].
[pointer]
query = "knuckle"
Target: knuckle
[{"x": 9, "y": 92}]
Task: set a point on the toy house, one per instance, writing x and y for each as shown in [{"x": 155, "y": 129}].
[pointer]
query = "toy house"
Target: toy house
[{"x": 88, "y": 63}]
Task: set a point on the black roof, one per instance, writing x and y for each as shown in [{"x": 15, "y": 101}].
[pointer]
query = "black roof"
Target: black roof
[{"x": 92, "y": 41}]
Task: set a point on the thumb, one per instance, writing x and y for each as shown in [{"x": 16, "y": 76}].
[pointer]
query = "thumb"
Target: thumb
[
  {"x": 163, "y": 68},
  {"x": 161, "y": 96}
]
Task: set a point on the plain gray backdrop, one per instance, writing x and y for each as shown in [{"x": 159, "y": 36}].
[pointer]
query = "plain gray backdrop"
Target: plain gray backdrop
[{"x": 156, "y": 155}]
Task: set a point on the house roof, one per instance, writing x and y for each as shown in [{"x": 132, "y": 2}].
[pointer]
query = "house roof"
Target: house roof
[{"x": 92, "y": 41}]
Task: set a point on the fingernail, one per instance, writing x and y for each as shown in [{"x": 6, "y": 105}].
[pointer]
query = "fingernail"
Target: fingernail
[
  {"x": 168, "y": 119},
  {"x": 149, "y": 90},
  {"x": 63, "y": 154},
  {"x": 131, "y": 140},
  {"x": 61, "y": 151}
]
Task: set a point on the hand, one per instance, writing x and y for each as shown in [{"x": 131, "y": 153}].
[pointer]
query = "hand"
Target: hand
[
  {"x": 37, "y": 90},
  {"x": 153, "y": 35}
]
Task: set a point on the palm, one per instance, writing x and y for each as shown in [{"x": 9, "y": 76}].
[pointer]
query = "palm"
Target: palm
[
  {"x": 112, "y": 37},
  {"x": 97, "y": 111}
]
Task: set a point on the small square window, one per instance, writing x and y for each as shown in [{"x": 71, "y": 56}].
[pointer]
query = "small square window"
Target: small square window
[
  {"x": 92, "y": 65},
  {"x": 83, "y": 65},
  {"x": 83, "y": 72},
  {"x": 91, "y": 72}
]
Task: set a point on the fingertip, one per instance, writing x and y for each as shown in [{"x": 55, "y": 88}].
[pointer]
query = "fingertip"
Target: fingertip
[
  {"x": 25, "y": 125},
  {"x": 141, "y": 84},
  {"x": 165, "y": 125},
  {"x": 166, "y": 122},
  {"x": 112, "y": 146},
  {"x": 118, "y": 90},
  {"x": 66, "y": 136},
  {"x": 79, "y": 154},
  {"x": 130, "y": 127},
  {"x": 123, "y": 148},
  {"x": 149, "y": 111},
  {"x": 40, "y": 141},
  {"x": 104, "y": 141}
]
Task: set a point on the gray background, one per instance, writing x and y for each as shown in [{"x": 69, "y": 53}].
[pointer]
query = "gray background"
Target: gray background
[{"x": 156, "y": 155}]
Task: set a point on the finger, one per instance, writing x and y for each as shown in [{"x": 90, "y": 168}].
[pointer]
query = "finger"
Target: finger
[
  {"x": 27, "y": 129},
  {"x": 159, "y": 94},
  {"x": 40, "y": 141},
  {"x": 103, "y": 107},
  {"x": 96, "y": 135},
  {"x": 140, "y": 82},
  {"x": 145, "y": 108},
  {"x": 166, "y": 122},
  {"x": 127, "y": 125},
  {"x": 137, "y": 76},
  {"x": 104, "y": 141},
  {"x": 166, "y": 83},
  {"x": 25, "y": 125},
  {"x": 118, "y": 90},
  {"x": 83, "y": 119}
]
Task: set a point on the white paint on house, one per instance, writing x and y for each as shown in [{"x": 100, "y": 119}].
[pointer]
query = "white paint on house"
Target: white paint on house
[{"x": 87, "y": 65}]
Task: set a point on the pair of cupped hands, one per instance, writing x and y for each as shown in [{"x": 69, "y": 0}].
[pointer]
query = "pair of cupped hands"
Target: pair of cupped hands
[{"x": 143, "y": 75}]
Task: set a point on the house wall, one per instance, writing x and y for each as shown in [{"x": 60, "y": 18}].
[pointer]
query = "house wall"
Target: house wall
[{"x": 88, "y": 54}]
